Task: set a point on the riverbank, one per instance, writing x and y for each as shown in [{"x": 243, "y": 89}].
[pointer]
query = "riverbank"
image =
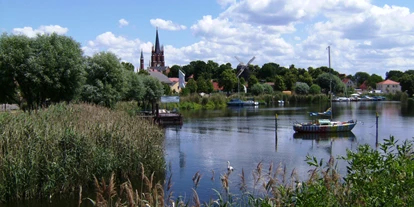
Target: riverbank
[{"x": 55, "y": 151}]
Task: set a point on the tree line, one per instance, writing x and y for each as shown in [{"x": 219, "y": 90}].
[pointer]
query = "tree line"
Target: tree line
[
  {"x": 302, "y": 81},
  {"x": 52, "y": 68}
]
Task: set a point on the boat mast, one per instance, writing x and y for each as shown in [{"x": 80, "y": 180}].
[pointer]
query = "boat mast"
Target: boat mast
[{"x": 330, "y": 77}]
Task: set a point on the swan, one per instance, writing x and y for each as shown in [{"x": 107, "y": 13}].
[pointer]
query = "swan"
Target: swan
[{"x": 229, "y": 168}]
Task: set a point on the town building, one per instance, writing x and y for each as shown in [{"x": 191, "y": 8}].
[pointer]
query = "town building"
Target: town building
[
  {"x": 389, "y": 86},
  {"x": 157, "y": 57}
]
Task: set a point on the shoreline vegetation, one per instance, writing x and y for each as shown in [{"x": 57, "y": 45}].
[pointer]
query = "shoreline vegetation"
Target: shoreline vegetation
[{"x": 53, "y": 151}]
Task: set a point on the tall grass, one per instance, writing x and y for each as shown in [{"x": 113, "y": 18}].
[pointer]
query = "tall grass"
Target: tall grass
[{"x": 56, "y": 150}]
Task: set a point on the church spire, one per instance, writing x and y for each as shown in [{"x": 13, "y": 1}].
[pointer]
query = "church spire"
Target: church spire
[{"x": 157, "y": 43}]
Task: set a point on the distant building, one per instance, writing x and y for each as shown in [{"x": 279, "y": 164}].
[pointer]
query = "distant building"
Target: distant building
[
  {"x": 216, "y": 86},
  {"x": 364, "y": 86},
  {"x": 389, "y": 86},
  {"x": 157, "y": 57},
  {"x": 175, "y": 85},
  {"x": 349, "y": 83},
  {"x": 158, "y": 75}
]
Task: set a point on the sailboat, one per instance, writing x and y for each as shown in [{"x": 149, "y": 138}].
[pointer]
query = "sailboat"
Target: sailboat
[{"x": 325, "y": 125}]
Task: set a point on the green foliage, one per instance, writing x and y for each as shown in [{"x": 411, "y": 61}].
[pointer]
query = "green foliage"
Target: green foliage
[
  {"x": 54, "y": 151},
  {"x": 105, "y": 80},
  {"x": 47, "y": 67},
  {"x": 228, "y": 80},
  {"x": 325, "y": 79},
  {"x": 257, "y": 89},
  {"x": 153, "y": 89},
  {"x": 407, "y": 83},
  {"x": 252, "y": 81},
  {"x": 128, "y": 66},
  {"x": 204, "y": 85},
  {"x": 301, "y": 88},
  {"x": 191, "y": 86},
  {"x": 267, "y": 89},
  {"x": 361, "y": 77},
  {"x": 135, "y": 88},
  {"x": 167, "y": 89},
  {"x": 279, "y": 83},
  {"x": 314, "y": 89},
  {"x": 174, "y": 71}
]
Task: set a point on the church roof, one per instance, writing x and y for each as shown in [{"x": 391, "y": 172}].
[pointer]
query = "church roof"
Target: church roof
[
  {"x": 161, "y": 77},
  {"x": 157, "y": 43}
]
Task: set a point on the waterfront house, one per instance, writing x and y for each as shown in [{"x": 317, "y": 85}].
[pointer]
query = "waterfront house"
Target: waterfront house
[{"x": 389, "y": 86}]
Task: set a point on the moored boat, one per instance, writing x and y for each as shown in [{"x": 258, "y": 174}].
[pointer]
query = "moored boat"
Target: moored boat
[
  {"x": 324, "y": 125},
  {"x": 238, "y": 102}
]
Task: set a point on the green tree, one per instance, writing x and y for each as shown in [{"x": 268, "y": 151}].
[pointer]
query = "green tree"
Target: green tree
[
  {"x": 253, "y": 80},
  {"x": 174, "y": 71},
  {"x": 135, "y": 88},
  {"x": 153, "y": 89},
  {"x": 324, "y": 81},
  {"x": 47, "y": 67},
  {"x": 167, "y": 89},
  {"x": 202, "y": 85},
  {"x": 128, "y": 66},
  {"x": 105, "y": 80},
  {"x": 191, "y": 86},
  {"x": 361, "y": 77},
  {"x": 257, "y": 89},
  {"x": 407, "y": 84},
  {"x": 279, "y": 83},
  {"x": 314, "y": 89},
  {"x": 228, "y": 80},
  {"x": 267, "y": 89},
  {"x": 301, "y": 88},
  {"x": 394, "y": 75},
  {"x": 373, "y": 80}
]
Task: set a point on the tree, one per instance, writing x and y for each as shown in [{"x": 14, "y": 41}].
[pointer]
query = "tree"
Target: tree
[
  {"x": 202, "y": 85},
  {"x": 373, "y": 80},
  {"x": 257, "y": 89},
  {"x": 279, "y": 83},
  {"x": 314, "y": 89},
  {"x": 191, "y": 86},
  {"x": 135, "y": 88},
  {"x": 253, "y": 80},
  {"x": 174, "y": 71},
  {"x": 407, "y": 84},
  {"x": 228, "y": 80},
  {"x": 167, "y": 89},
  {"x": 128, "y": 66},
  {"x": 47, "y": 67},
  {"x": 301, "y": 88},
  {"x": 361, "y": 77},
  {"x": 394, "y": 75},
  {"x": 267, "y": 89},
  {"x": 105, "y": 80},
  {"x": 324, "y": 81},
  {"x": 153, "y": 89}
]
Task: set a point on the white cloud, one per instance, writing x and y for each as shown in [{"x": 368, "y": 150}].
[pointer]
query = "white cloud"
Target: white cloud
[
  {"x": 363, "y": 36},
  {"x": 30, "y": 32},
  {"x": 166, "y": 24},
  {"x": 123, "y": 22}
]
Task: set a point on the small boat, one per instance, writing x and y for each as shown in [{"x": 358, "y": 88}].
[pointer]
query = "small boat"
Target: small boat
[
  {"x": 324, "y": 125},
  {"x": 328, "y": 112},
  {"x": 238, "y": 102},
  {"x": 324, "y": 136}
]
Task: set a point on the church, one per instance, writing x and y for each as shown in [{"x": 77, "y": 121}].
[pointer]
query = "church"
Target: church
[{"x": 157, "y": 57}]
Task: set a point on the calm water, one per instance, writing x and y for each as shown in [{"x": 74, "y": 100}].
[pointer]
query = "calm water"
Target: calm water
[{"x": 247, "y": 136}]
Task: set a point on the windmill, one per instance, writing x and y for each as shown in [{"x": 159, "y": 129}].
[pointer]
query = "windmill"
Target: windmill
[{"x": 243, "y": 69}]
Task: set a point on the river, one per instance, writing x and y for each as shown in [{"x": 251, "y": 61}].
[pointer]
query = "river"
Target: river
[{"x": 247, "y": 136}]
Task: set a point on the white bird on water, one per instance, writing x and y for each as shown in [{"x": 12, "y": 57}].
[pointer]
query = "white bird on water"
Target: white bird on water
[{"x": 229, "y": 168}]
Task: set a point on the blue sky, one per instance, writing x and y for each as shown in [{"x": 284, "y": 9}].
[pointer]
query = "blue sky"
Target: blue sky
[{"x": 370, "y": 36}]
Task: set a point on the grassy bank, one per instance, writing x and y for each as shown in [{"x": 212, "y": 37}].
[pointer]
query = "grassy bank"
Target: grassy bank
[{"x": 56, "y": 150}]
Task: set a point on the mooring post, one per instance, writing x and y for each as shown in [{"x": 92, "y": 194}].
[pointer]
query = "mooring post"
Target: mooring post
[
  {"x": 376, "y": 132},
  {"x": 276, "y": 132}
]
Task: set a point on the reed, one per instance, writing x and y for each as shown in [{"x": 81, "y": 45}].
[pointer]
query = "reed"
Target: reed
[{"x": 53, "y": 151}]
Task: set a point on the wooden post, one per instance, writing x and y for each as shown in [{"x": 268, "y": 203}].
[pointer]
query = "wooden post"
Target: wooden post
[
  {"x": 276, "y": 132},
  {"x": 376, "y": 131}
]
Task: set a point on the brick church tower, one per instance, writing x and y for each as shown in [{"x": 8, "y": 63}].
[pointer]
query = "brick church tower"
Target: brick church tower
[
  {"x": 157, "y": 54},
  {"x": 157, "y": 57}
]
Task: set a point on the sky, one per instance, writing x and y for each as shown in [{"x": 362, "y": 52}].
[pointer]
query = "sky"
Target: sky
[{"x": 373, "y": 36}]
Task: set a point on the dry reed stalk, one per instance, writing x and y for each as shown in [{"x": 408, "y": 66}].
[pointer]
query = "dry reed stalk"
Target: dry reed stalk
[
  {"x": 80, "y": 196},
  {"x": 243, "y": 184},
  {"x": 196, "y": 179},
  {"x": 196, "y": 199},
  {"x": 225, "y": 182},
  {"x": 212, "y": 175}
]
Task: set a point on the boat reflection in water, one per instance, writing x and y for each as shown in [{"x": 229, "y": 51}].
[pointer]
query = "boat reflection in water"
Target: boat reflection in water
[{"x": 324, "y": 136}]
